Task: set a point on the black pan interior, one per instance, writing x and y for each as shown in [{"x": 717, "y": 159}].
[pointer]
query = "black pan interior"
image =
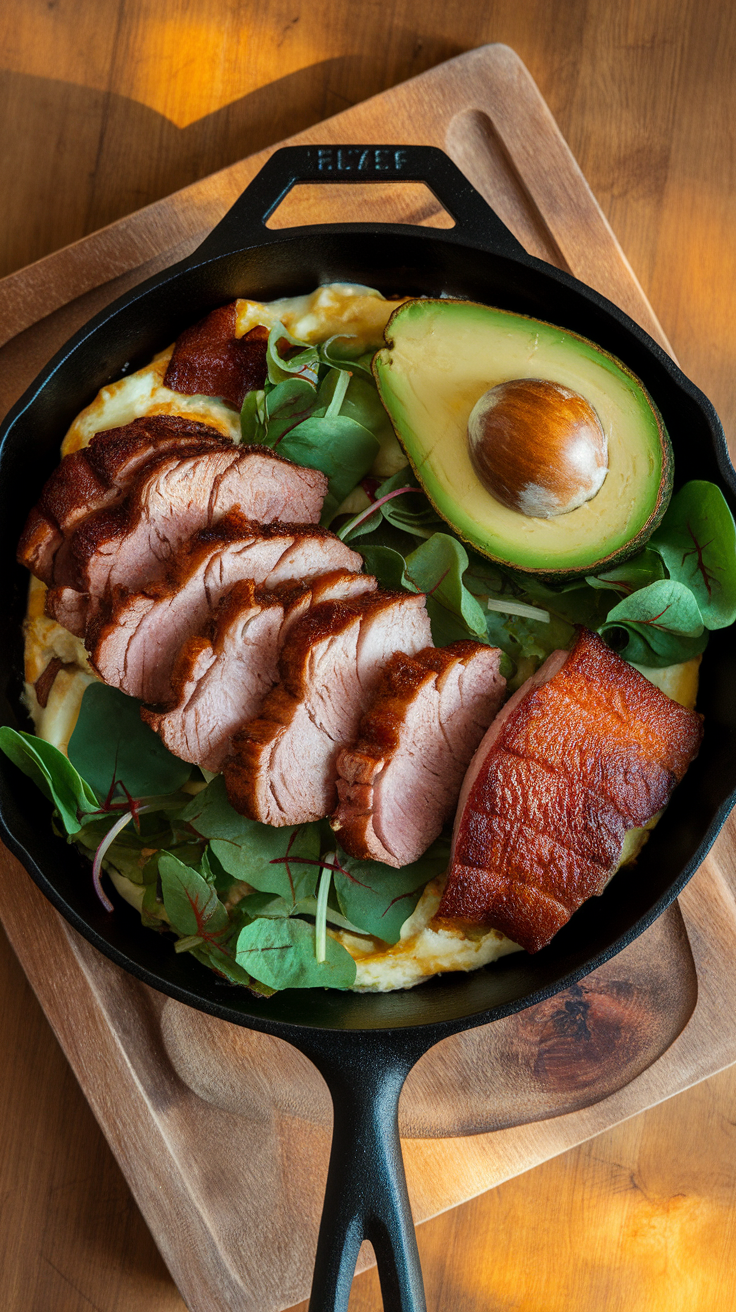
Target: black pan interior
[{"x": 397, "y": 261}]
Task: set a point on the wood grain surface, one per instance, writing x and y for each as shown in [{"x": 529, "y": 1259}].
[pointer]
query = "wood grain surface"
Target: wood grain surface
[{"x": 111, "y": 105}]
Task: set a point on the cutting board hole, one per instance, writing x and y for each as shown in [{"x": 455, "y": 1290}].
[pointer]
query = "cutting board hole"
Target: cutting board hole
[{"x": 362, "y": 202}]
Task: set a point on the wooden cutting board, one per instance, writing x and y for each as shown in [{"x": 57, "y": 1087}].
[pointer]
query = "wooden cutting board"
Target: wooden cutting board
[{"x": 221, "y": 1133}]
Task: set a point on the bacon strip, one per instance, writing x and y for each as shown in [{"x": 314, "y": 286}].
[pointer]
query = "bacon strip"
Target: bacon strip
[
  {"x": 209, "y": 359},
  {"x": 575, "y": 761}
]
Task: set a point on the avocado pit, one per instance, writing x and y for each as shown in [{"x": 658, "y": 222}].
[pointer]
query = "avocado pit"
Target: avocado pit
[{"x": 537, "y": 447}]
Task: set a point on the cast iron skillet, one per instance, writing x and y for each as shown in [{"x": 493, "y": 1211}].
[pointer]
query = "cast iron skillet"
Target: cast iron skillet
[{"x": 364, "y": 1045}]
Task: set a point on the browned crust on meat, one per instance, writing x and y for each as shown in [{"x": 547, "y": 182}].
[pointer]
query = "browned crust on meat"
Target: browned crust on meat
[
  {"x": 103, "y": 527},
  {"x": 379, "y": 737},
  {"x": 92, "y": 479},
  {"x": 402, "y": 678},
  {"x": 251, "y": 745},
  {"x": 587, "y": 755},
  {"x": 208, "y": 358},
  {"x": 325, "y": 620}
]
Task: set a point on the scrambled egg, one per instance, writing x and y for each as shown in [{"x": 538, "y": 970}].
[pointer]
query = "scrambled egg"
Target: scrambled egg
[{"x": 424, "y": 948}]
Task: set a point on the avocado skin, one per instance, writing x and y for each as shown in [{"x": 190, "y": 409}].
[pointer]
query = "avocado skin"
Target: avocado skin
[{"x": 594, "y": 560}]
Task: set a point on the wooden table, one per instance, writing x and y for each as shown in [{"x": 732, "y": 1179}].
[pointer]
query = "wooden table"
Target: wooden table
[{"x": 111, "y": 106}]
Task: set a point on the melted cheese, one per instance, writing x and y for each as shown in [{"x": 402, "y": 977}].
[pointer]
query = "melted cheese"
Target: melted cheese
[
  {"x": 143, "y": 393},
  {"x": 348, "y": 309}
]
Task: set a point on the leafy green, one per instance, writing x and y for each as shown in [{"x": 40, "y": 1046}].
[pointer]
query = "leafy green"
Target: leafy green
[
  {"x": 387, "y": 565},
  {"x": 280, "y": 953},
  {"x": 345, "y": 357},
  {"x": 697, "y": 542},
  {"x": 636, "y": 573},
  {"x": 379, "y": 898},
  {"x": 56, "y": 777},
  {"x": 412, "y": 511},
  {"x": 280, "y": 861},
  {"x": 253, "y": 417},
  {"x": 303, "y": 360},
  {"x": 191, "y": 902},
  {"x": 661, "y": 624},
  {"x": 110, "y": 743},
  {"x": 437, "y": 568},
  {"x": 287, "y": 405},
  {"x": 341, "y": 447}
]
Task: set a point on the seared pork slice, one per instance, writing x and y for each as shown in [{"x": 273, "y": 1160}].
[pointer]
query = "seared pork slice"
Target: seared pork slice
[
  {"x": 175, "y": 496},
  {"x": 283, "y": 765},
  {"x": 210, "y": 359},
  {"x": 134, "y": 640},
  {"x": 69, "y": 608},
  {"x": 586, "y": 750},
  {"x": 399, "y": 783},
  {"x": 96, "y": 478},
  {"x": 222, "y": 675}
]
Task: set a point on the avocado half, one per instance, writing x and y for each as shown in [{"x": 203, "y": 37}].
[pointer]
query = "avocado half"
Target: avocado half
[{"x": 442, "y": 355}]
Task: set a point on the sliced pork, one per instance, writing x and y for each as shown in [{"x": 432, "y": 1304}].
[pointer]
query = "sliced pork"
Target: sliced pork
[
  {"x": 399, "y": 783},
  {"x": 283, "y": 765},
  {"x": 134, "y": 641},
  {"x": 173, "y": 497},
  {"x": 586, "y": 750},
  {"x": 96, "y": 478},
  {"x": 209, "y": 359},
  {"x": 222, "y": 675}
]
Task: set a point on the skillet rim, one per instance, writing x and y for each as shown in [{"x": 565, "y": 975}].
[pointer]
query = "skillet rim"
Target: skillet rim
[{"x": 435, "y": 1029}]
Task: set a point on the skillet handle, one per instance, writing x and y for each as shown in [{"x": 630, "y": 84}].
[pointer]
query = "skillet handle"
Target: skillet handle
[
  {"x": 476, "y": 223},
  {"x": 366, "y": 1195}
]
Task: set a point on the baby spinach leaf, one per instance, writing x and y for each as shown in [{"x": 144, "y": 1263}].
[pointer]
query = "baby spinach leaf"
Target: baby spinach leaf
[
  {"x": 339, "y": 353},
  {"x": 111, "y": 742},
  {"x": 303, "y": 361},
  {"x": 266, "y": 904},
  {"x": 437, "y": 568},
  {"x": 412, "y": 512},
  {"x": 664, "y": 607},
  {"x": 697, "y": 542},
  {"x": 636, "y": 573},
  {"x": 342, "y": 448},
  {"x": 659, "y": 625},
  {"x": 379, "y": 898},
  {"x": 362, "y": 403},
  {"x": 280, "y": 953},
  {"x": 287, "y": 405},
  {"x": 191, "y": 903},
  {"x": 253, "y": 418},
  {"x": 223, "y": 961},
  {"x": 210, "y": 814},
  {"x": 215, "y": 872},
  {"x": 280, "y": 861},
  {"x": 637, "y": 645},
  {"x": 56, "y": 777},
  {"x": 386, "y": 564}
]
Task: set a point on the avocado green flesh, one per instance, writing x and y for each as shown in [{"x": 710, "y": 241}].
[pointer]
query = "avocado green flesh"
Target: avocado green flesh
[{"x": 443, "y": 355}]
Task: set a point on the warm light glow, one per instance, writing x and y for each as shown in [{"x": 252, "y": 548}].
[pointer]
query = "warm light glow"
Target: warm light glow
[{"x": 183, "y": 67}]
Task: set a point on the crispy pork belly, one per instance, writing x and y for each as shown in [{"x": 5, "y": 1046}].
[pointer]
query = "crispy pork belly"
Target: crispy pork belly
[
  {"x": 283, "y": 765},
  {"x": 95, "y": 479},
  {"x": 209, "y": 359},
  {"x": 586, "y": 750},
  {"x": 399, "y": 783},
  {"x": 134, "y": 640},
  {"x": 176, "y": 496},
  {"x": 222, "y": 675}
]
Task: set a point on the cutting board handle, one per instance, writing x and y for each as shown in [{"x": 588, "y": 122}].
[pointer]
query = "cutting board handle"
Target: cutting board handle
[
  {"x": 475, "y": 222},
  {"x": 366, "y": 1195}
]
